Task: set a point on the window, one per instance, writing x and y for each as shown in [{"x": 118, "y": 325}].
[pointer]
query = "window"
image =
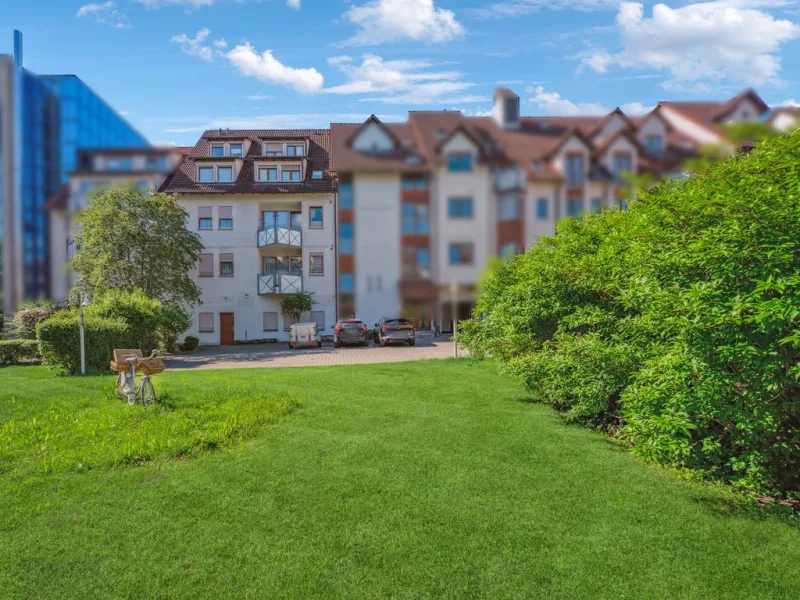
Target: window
[
  {"x": 574, "y": 207},
  {"x": 295, "y": 150},
  {"x": 508, "y": 210},
  {"x": 273, "y": 149},
  {"x": 268, "y": 174},
  {"x": 654, "y": 143},
  {"x": 509, "y": 250},
  {"x": 597, "y": 205},
  {"x": 205, "y": 174},
  {"x": 217, "y": 151},
  {"x": 346, "y": 283},
  {"x": 206, "y": 265},
  {"x": 461, "y": 253},
  {"x": 225, "y": 264},
  {"x": 459, "y": 208},
  {"x": 157, "y": 163},
  {"x": 622, "y": 164},
  {"x": 204, "y": 218},
  {"x": 225, "y": 217},
  {"x": 459, "y": 163},
  {"x": 316, "y": 175},
  {"x": 316, "y": 264},
  {"x": 573, "y": 169},
  {"x": 288, "y": 321},
  {"x": 270, "y": 321},
  {"x": 345, "y": 195},
  {"x": 541, "y": 209},
  {"x": 290, "y": 174},
  {"x": 423, "y": 258},
  {"x": 315, "y": 217},
  {"x": 415, "y": 218},
  {"x": 205, "y": 322},
  {"x": 345, "y": 238},
  {"x": 236, "y": 149},
  {"x": 119, "y": 164},
  {"x": 225, "y": 174},
  {"x": 412, "y": 182},
  {"x": 318, "y": 317}
]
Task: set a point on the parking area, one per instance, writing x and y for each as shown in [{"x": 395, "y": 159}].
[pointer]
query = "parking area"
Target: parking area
[{"x": 279, "y": 355}]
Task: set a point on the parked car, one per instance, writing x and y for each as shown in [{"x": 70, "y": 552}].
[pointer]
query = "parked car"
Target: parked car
[
  {"x": 304, "y": 334},
  {"x": 350, "y": 331},
  {"x": 395, "y": 331}
]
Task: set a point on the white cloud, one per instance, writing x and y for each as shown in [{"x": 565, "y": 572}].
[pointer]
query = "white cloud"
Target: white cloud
[
  {"x": 401, "y": 81},
  {"x": 519, "y": 8},
  {"x": 791, "y": 102},
  {"x": 636, "y": 108},
  {"x": 554, "y": 105},
  {"x": 385, "y": 21},
  {"x": 295, "y": 4},
  {"x": 259, "y": 97},
  {"x": 165, "y": 143},
  {"x": 106, "y": 13},
  {"x": 220, "y": 43},
  {"x": 722, "y": 40},
  {"x": 266, "y": 67},
  {"x": 187, "y": 3},
  {"x": 195, "y": 46}
]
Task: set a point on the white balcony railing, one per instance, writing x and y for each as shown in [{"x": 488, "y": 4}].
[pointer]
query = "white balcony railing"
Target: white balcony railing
[{"x": 275, "y": 234}]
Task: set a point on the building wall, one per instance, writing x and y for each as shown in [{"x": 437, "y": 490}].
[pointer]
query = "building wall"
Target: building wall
[
  {"x": 61, "y": 278},
  {"x": 745, "y": 111},
  {"x": 784, "y": 121},
  {"x": 377, "y": 223},
  {"x": 572, "y": 146},
  {"x": 536, "y": 227},
  {"x": 239, "y": 294},
  {"x": 373, "y": 138},
  {"x": 698, "y": 133},
  {"x": 651, "y": 126}
]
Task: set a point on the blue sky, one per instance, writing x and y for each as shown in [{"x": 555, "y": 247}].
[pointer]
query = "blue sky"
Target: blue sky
[{"x": 176, "y": 67}]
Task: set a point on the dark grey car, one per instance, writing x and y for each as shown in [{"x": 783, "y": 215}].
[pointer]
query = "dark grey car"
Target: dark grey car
[
  {"x": 395, "y": 331},
  {"x": 350, "y": 331}
]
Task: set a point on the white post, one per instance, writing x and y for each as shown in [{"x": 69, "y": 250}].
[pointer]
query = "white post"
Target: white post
[{"x": 83, "y": 347}]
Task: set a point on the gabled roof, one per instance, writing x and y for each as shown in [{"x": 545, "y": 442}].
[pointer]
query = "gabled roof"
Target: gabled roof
[
  {"x": 626, "y": 133},
  {"x": 731, "y": 104},
  {"x": 373, "y": 120},
  {"x": 618, "y": 112},
  {"x": 318, "y": 157}
]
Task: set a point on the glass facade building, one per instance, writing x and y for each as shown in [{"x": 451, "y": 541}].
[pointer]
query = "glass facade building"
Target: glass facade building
[{"x": 44, "y": 121}]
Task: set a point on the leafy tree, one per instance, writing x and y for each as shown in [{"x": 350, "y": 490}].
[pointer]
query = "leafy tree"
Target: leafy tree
[
  {"x": 130, "y": 240},
  {"x": 674, "y": 324},
  {"x": 294, "y": 305}
]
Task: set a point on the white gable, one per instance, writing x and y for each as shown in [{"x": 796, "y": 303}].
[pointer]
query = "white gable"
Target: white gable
[
  {"x": 746, "y": 110},
  {"x": 614, "y": 124},
  {"x": 460, "y": 143},
  {"x": 373, "y": 139},
  {"x": 652, "y": 126}
]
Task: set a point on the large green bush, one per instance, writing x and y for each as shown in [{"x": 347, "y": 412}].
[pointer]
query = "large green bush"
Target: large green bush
[
  {"x": 675, "y": 323},
  {"x": 23, "y": 323},
  {"x": 14, "y": 352},
  {"x": 59, "y": 341}
]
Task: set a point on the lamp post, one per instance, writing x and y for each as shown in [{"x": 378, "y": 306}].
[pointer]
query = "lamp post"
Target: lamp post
[
  {"x": 454, "y": 299},
  {"x": 84, "y": 302}
]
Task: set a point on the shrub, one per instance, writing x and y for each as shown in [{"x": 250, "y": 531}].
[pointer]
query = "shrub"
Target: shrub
[
  {"x": 23, "y": 323},
  {"x": 190, "y": 343},
  {"x": 59, "y": 341},
  {"x": 13, "y": 352},
  {"x": 677, "y": 322}
]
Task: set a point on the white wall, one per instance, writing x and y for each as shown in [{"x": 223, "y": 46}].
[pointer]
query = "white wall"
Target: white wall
[
  {"x": 689, "y": 128},
  {"x": 614, "y": 124},
  {"x": 377, "y": 228},
  {"x": 239, "y": 294},
  {"x": 481, "y": 230},
  {"x": 652, "y": 126},
  {"x": 784, "y": 121},
  {"x": 373, "y": 138},
  {"x": 746, "y": 110},
  {"x": 534, "y": 226},
  {"x": 60, "y": 281}
]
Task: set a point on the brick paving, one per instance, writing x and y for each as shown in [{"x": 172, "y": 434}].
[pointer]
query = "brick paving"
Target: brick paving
[{"x": 279, "y": 355}]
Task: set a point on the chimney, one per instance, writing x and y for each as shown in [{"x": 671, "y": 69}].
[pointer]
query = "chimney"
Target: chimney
[{"x": 505, "y": 110}]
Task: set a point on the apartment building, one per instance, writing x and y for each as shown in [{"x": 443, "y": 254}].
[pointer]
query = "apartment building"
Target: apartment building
[
  {"x": 426, "y": 204},
  {"x": 263, "y": 204},
  {"x": 95, "y": 170}
]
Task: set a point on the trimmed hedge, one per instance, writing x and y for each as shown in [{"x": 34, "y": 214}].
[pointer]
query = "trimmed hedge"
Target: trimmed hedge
[
  {"x": 59, "y": 341},
  {"x": 13, "y": 352}
]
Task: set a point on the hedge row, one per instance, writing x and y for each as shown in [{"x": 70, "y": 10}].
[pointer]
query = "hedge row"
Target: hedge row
[
  {"x": 59, "y": 341},
  {"x": 675, "y": 324},
  {"x": 13, "y": 352}
]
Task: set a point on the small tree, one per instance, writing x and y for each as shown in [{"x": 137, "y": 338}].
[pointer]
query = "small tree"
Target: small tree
[
  {"x": 130, "y": 241},
  {"x": 294, "y": 305}
]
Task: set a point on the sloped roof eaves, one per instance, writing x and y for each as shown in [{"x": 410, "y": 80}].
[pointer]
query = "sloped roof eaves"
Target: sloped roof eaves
[{"x": 345, "y": 160}]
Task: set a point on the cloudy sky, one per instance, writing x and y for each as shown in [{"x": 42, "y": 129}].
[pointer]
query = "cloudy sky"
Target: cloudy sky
[{"x": 176, "y": 67}]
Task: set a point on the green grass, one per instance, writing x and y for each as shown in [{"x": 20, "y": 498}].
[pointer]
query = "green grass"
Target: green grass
[{"x": 412, "y": 480}]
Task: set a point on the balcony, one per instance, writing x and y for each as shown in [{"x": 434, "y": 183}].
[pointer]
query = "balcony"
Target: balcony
[
  {"x": 280, "y": 283},
  {"x": 275, "y": 235}
]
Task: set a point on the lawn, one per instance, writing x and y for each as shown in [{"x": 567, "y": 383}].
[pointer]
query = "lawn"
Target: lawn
[{"x": 415, "y": 480}]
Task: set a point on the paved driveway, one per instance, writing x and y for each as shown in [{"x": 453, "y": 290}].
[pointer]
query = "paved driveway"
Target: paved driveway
[{"x": 279, "y": 355}]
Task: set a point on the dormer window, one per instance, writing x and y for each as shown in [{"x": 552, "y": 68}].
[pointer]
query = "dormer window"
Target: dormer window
[
  {"x": 218, "y": 151},
  {"x": 205, "y": 175},
  {"x": 273, "y": 149},
  {"x": 538, "y": 166},
  {"x": 236, "y": 149},
  {"x": 459, "y": 163},
  {"x": 290, "y": 174},
  {"x": 317, "y": 175},
  {"x": 654, "y": 143},
  {"x": 267, "y": 174},
  {"x": 224, "y": 174},
  {"x": 295, "y": 150}
]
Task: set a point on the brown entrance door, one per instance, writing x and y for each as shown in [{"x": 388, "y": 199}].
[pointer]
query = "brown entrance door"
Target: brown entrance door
[{"x": 226, "y": 329}]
